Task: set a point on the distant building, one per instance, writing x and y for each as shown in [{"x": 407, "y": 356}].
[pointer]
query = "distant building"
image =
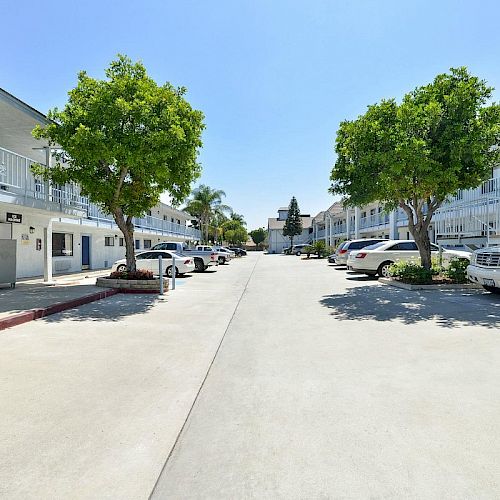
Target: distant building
[{"x": 278, "y": 242}]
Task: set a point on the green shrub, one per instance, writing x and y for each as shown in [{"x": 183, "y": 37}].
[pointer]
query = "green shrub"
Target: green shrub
[
  {"x": 139, "y": 274},
  {"x": 457, "y": 270},
  {"x": 411, "y": 272}
]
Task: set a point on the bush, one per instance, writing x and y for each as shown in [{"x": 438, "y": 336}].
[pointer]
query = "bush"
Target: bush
[
  {"x": 457, "y": 270},
  {"x": 139, "y": 274},
  {"x": 411, "y": 272}
]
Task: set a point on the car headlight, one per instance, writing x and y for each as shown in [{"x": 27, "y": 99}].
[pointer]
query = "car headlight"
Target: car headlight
[{"x": 473, "y": 258}]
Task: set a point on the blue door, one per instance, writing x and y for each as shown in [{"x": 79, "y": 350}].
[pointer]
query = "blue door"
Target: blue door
[{"x": 85, "y": 252}]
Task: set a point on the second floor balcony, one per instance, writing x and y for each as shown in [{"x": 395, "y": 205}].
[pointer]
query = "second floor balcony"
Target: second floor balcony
[{"x": 18, "y": 186}]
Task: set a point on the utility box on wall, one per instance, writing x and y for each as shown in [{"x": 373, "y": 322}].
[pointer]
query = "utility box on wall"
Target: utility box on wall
[{"x": 8, "y": 262}]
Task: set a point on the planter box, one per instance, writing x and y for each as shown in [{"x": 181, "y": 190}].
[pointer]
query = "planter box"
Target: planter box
[
  {"x": 437, "y": 286},
  {"x": 133, "y": 285}
]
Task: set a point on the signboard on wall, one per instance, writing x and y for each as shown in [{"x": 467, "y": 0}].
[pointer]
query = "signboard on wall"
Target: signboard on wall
[{"x": 17, "y": 218}]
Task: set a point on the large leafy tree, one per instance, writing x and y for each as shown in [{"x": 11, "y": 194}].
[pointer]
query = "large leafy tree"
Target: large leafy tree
[
  {"x": 206, "y": 204},
  {"x": 293, "y": 223},
  {"x": 233, "y": 232},
  {"x": 258, "y": 236},
  {"x": 442, "y": 137},
  {"x": 126, "y": 140}
]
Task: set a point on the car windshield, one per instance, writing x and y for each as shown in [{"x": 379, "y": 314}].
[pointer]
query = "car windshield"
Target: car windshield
[{"x": 375, "y": 245}]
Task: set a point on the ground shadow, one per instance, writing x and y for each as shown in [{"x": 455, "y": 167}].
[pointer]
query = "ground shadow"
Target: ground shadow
[
  {"x": 449, "y": 309},
  {"x": 112, "y": 308}
]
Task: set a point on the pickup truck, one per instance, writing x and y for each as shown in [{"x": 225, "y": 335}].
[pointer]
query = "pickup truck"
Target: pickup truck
[
  {"x": 202, "y": 258},
  {"x": 224, "y": 255}
]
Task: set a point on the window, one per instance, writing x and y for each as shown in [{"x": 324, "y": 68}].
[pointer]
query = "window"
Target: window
[
  {"x": 172, "y": 220},
  {"x": 137, "y": 244},
  {"x": 109, "y": 241},
  {"x": 147, "y": 244},
  {"x": 372, "y": 211},
  {"x": 178, "y": 221},
  {"x": 148, "y": 213},
  {"x": 406, "y": 245},
  {"x": 121, "y": 242},
  {"x": 62, "y": 245},
  {"x": 144, "y": 255},
  {"x": 165, "y": 218}
]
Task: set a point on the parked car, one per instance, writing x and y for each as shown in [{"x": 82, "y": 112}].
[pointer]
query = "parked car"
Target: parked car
[
  {"x": 296, "y": 249},
  {"x": 331, "y": 258},
  {"x": 377, "y": 258},
  {"x": 225, "y": 255},
  {"x": 149, "y": 261},
  {"x": 240, "y": 252},
  {"x": 348, "y": 246},
  {"x": 203, "y": 259},
  {"x": 484, "y": 268}
]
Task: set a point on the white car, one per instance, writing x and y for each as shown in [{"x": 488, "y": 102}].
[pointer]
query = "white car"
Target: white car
[
  {"x": 377, "y": 258},
  {"x": 149, "y": 261},
  {"x": 484, "y": 268},
  {"x": 344, "y": 250}
]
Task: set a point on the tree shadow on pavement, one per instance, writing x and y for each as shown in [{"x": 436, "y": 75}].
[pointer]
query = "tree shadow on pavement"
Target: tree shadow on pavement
[
  {"x": 112, "y": 308},
  {"x": 449, "y": 309}
]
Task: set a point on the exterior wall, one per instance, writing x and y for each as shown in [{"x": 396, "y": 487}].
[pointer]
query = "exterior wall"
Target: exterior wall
[
  {"x": 278, "y": 242},
  {"x": 30, "y": 257}
]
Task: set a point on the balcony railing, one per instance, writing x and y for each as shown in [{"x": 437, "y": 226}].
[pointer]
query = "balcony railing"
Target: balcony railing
[
  {"x": 18, "y": 185},
  {"x": 374, "y": 220}
]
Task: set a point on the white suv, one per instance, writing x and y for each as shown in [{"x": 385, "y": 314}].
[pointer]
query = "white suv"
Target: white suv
[{"x": 484, "y": 268}]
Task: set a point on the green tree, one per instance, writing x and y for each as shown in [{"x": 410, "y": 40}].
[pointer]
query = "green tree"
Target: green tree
[
  {"x": 318, "y": 247},
  {"x": 126, "y": 140},
  {"x": 293, "y": 223},
  {"x": 239, "y": 218},
  {"x": 233, "y": 232},
  {"x": 443, "y": 137},
  {"x": 258, "y": 236},
  {"x": 206, "y": 205}
]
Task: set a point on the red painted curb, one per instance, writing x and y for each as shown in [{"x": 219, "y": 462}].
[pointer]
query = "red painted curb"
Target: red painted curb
[{"x": 31, "y": 314}]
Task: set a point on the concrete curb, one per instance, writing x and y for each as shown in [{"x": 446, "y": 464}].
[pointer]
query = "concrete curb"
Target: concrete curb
[
  {"x": 32, "y": 314},
  {"x": 439, "y": 286}
]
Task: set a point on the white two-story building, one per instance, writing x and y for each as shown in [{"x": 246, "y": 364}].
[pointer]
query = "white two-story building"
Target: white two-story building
[
  {"x": 277, "y": 241},
  {"x": 56, "y": 229},
  {"x": 470, "y": 218}
]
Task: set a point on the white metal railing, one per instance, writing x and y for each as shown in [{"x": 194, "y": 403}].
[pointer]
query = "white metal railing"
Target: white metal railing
[
  {"x": 374, "y": 220},
  {"x": 16, "y": 178}
]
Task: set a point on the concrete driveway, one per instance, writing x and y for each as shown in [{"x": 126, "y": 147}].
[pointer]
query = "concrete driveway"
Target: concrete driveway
[{"x": 275, "y": 377}]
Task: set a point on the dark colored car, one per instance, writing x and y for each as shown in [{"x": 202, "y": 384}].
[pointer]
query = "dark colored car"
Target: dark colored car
[
  {"x": 331, "y": 259},
  {"x": 238, "y": 251}
]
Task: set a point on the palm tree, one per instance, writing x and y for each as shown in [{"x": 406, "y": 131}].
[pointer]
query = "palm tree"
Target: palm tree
[
  {"x": 238, "y": 218},
  {"x": 205, "y": 203}
]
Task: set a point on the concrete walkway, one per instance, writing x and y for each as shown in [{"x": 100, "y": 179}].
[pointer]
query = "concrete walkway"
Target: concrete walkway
[
  {"x": 274, "y": 377},
  {"x": 34, "y": 294}
]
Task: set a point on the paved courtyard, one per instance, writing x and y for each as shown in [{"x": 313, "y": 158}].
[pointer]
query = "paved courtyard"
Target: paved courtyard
[{"x": 274, "y": 377}]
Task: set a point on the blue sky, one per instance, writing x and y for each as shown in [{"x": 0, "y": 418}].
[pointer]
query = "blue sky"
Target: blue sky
[{"x": 274, "y": 78}]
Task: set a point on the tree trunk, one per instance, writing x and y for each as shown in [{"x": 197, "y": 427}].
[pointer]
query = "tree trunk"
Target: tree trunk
[
  {"x": 127, "y": 228},
  {"x": 424, "y": 247},
  {"x": 291, "y": 244}
]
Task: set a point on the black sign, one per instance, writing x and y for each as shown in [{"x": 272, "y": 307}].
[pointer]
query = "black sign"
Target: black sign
[{"x": 17, "y": 218}]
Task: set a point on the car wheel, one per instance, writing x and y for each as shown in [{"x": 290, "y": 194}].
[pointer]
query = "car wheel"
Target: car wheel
[
  {"x": 199, "y": 266},
  {"x": 221, "y": 260},
  {"x": 298, "y": 253},
  {"x": 383, "y": 269},
  {"x": 491, "y": 289},
  {"x": 121, "y": 268},
  {"x": 169, "y": 271}
]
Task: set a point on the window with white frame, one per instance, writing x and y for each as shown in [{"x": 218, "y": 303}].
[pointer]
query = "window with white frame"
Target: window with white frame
[{"x": 109, "y": 241}]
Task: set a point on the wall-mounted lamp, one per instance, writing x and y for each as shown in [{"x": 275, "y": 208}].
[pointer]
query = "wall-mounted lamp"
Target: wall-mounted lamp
[
  {"x": 116, "y": 236},
  {"x": 32, "y": 229}
]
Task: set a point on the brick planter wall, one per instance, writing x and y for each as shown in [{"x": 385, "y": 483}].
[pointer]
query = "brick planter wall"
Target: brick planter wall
[{"x": 133, "y": 285}]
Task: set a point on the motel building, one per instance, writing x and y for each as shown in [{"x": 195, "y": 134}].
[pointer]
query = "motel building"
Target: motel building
[{"x": 46, "y": 229}]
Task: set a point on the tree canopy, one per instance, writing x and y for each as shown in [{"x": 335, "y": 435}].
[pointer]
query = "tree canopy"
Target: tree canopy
[
  {"x": 258, "y": 236},
  {"x": 206, "y": 204},
  {"x": 125, "y": 141},
  {"x": 441, "y": 138}
]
